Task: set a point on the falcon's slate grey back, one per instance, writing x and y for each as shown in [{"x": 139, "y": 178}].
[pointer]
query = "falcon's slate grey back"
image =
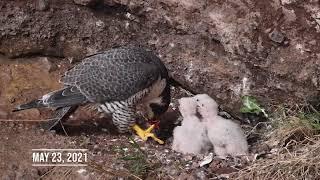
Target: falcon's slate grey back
[{"x": 116, "y": 80}]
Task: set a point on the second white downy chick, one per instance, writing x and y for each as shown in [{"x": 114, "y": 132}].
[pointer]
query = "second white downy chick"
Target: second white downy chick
[
  {"x": 191, "y": 136},
  {"x": 226, "y": 136}
]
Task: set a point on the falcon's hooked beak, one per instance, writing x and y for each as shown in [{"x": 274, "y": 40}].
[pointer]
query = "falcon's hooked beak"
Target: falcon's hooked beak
[
  {"x": 154, "y": 112},
  {"x": 155, "y": 120}
]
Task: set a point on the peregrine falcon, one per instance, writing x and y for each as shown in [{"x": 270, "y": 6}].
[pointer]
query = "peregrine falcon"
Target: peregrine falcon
[{"x": 116, "y": 81}]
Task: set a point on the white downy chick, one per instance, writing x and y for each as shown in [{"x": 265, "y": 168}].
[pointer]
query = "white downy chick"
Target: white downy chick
[
  {"x": 191, "y": 136},
  {"x": 187, "y": 106},
  {"x": 225, "y": 135}
]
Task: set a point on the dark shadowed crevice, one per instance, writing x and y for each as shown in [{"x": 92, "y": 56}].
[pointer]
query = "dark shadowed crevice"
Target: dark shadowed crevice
[
  {"x": 35, "y": 54},
  {"x": 102, "y": 8}
]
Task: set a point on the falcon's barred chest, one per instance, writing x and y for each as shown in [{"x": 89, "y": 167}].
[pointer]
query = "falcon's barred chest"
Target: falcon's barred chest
[{"x": 124, "y": 112}]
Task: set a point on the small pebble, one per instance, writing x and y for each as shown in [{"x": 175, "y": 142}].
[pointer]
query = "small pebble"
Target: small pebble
[
  {"x": 47, "y": 64},
  {"x": 54, "y": 132},
  {"x": 313, "y": 42},
  {"x": 42, "y": 5},
  {"x": 42, "y": 130},
  {"x": 11, "y": 125},
  {"x": 188, "y": 158},
  {"x": 100, "y": 23},
  {"x": 200, "y": 175},
  {"x": 173, "y": 172},
  {"x": 83, "y": 2},
  {"x": 276, "y": 36}
]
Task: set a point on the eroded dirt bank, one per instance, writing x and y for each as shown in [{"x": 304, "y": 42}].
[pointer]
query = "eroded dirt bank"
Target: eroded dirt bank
[{"x": 225, "y": 48}]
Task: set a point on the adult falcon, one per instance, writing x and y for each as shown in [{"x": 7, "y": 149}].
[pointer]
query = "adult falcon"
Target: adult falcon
[{"x": 116, "y": 81}]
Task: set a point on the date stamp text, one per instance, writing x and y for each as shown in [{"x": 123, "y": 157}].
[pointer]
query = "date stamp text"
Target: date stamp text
[{"x": 59, "y": 157}]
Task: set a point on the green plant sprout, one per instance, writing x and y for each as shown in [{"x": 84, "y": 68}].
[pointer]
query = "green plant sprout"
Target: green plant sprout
[
  {"x": 312, "y": 119},
  {"x": 137, "y": 160},
  {"x": 250, "y": 105}
]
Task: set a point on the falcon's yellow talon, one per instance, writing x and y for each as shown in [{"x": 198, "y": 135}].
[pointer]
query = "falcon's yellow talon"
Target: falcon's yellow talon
[
  {"x": 145, "y": 134},
  {"x": 155, "y": 138},
  {"x": 150, "y": 129}
]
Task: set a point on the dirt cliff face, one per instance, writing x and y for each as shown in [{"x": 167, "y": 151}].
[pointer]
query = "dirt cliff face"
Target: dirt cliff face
[
  {"x": 226, "y": 48},
  {"x": 268, "y": 49}
]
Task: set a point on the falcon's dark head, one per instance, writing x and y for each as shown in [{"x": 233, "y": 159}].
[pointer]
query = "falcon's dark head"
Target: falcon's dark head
[
  {"x": 160, "y": 105},
  {"x": 158, "y": 109}
]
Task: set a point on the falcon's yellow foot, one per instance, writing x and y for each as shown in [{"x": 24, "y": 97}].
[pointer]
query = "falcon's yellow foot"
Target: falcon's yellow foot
[{"x": 145, "y": 134}]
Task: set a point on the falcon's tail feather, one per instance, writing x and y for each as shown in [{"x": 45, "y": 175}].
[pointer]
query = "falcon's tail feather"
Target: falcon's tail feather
[
  {"x": 38, "y": 103},
  {"x": 68, "y": 96}
]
